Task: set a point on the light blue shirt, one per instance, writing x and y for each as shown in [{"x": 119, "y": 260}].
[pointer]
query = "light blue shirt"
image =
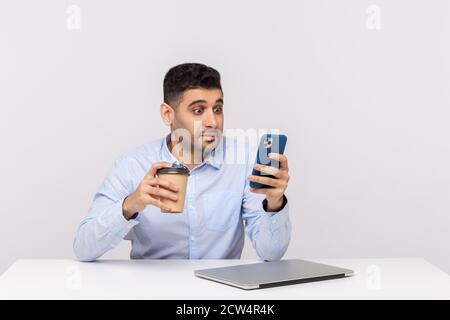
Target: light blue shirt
[{"x": 218, "y": 208}]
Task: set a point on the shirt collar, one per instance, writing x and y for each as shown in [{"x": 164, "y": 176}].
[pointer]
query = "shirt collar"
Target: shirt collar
[{"x": 215, "y": 158}]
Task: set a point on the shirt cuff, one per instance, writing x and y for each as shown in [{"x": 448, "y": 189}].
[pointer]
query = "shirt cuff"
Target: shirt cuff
[
  {"x": 280, "y": 218},
  {"x": 120, "y": 225},
  {"x": 277, "y": 219},
  {"x": 285, "y": 201}
]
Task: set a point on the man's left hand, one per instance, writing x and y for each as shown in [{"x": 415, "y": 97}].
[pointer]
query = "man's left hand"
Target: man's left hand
[{"x": 275, "y": 195}]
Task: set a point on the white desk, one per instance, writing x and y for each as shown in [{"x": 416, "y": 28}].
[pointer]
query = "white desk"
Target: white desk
[{"x": 408, "y": 278}]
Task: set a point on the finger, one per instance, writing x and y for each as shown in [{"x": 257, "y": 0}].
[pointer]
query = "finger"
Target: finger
[
  {"x": 281, "y": 158},
  {"x": 162, "y": 183},
  {"x": 268, "y": 170},
  {"x": 159, "y": 204},
  {"x": 260, "y": 191},
  {"x": 162, "y": 193},
  {"x": 267, "y": 181},
  {"x": 157, "y": 165}
]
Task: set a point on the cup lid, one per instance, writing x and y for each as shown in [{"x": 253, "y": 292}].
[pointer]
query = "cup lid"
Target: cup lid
[{"x": 175, "y": 168}]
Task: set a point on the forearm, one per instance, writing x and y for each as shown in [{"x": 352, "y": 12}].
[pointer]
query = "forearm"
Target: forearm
[
  {"x": 273, "y": 234},
  {"x": 101, "y": 231}
]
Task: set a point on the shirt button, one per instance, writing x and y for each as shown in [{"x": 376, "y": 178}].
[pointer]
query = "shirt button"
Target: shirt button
[
  {"x": 274, "y": 221},
  {"x": 193, "y": 238}
]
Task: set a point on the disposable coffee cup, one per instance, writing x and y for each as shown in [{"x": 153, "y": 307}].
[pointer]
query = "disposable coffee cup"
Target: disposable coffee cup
[{"x": 178, "y": 175}]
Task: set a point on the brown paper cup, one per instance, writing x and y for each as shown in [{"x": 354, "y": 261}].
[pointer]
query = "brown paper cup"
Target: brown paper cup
[{"x": 179, "y": 177}]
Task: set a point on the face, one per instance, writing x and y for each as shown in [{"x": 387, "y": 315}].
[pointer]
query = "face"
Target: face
[{"x": 199, "y": 112}]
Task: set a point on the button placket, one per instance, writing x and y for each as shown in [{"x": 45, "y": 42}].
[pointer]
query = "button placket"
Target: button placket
[{"x": 190, "y": 209}]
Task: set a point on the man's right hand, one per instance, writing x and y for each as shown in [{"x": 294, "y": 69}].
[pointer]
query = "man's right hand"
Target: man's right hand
[{"x": 149, "y": 191}]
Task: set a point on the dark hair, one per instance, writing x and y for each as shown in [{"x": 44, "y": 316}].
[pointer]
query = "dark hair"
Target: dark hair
[{"x": 188, "y": 76}]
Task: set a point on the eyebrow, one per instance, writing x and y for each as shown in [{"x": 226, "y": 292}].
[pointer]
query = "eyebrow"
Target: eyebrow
[{"x": 220, "y": 100}]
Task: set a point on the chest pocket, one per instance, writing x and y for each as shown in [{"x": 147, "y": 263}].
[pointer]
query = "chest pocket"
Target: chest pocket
[{"x": 221, "y": 210}]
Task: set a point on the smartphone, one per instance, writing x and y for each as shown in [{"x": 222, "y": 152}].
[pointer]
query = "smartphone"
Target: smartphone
[{"x": 269, "y": 143}]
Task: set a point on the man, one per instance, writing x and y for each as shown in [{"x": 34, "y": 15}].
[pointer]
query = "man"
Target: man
[{"x": 219, "y": 203}]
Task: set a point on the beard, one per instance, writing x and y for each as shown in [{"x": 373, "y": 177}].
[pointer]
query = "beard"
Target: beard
[
  {"x": 194, "y": 148},
  {"x": 206, "y": 142}
]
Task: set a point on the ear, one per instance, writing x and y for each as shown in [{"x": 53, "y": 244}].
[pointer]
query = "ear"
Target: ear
[{"x": 167, "y": 113}]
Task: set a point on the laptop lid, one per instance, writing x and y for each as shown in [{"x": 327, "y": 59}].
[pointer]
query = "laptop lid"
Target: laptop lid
[{"x": 274, "y": 273}]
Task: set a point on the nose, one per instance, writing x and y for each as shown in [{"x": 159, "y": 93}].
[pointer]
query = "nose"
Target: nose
[{"x": 209, "y": 119}]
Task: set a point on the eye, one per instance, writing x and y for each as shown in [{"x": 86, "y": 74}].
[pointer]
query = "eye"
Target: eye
[
  {"x": 197, "y": 111},
  {"x": 218, "y": 109}
]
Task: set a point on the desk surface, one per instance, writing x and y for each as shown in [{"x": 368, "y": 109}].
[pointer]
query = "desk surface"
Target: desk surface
[{"x": 405, "y": 278}]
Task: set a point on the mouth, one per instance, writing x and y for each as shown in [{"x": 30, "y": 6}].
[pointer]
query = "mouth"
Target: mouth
[{"x": 209, "y": 136}]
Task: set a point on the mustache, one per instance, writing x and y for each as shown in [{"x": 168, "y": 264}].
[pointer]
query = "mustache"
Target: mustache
[
  {"x": 184, "y": 136},
  {"x": 213, "y": 132},
  {"x": 216, "y": 135}
]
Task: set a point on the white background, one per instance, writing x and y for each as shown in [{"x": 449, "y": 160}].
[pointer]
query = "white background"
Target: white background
[{"x": 366, "y": 112}]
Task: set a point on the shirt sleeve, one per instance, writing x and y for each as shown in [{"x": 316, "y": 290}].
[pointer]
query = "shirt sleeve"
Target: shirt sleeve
[
  {"x": 105, "y": 226},
  {"x": 269, "y": 232}
]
